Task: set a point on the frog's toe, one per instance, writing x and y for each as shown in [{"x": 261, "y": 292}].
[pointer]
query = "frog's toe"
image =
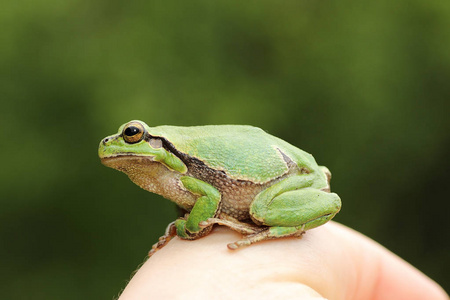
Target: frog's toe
[
  {"x": 208, "y": 222},
  {"x": 203, "y": 224},
  {"x": 239, "y": 244},
  {"x": 232, "y": 246},
  {"x": 250, "y": 239}
]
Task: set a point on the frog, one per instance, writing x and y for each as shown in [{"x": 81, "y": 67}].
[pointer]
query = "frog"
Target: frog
[{"x": 238, "y": 176}]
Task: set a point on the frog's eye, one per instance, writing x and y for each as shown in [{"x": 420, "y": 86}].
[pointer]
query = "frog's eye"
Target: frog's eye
[{"x": 133, "y": 132}]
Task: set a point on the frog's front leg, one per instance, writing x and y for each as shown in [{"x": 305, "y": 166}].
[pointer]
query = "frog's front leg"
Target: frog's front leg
[
  {"x": 206, "y": 206},
  {"x": 187, "y": 227},
  {"x": 289, "y": 208}
]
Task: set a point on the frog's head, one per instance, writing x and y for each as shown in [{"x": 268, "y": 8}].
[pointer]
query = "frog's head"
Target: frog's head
[{"x": 133, "y": 143}]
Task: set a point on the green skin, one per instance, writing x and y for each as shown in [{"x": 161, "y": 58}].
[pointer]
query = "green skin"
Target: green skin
[{"x": 232, "y": 175}]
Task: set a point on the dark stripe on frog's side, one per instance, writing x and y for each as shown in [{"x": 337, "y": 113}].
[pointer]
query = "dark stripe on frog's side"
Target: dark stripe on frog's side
[
  {"x": 197, "y": 168},
  {"x": 237, "y": 194},
  {"x": 291, "y": 164}
]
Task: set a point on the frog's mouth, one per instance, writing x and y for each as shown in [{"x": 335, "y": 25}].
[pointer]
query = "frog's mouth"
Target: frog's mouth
[
  {"x": 139, "y": 168},
  {"x": 126, "y": 161}
]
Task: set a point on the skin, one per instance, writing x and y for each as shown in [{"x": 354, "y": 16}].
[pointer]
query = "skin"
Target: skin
[
  {"x": 330, "y": 262},
  {"x": 232, "y": 175}
]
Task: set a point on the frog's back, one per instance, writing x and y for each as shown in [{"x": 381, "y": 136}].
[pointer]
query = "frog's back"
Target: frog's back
[{"x": 241, "y": 151}]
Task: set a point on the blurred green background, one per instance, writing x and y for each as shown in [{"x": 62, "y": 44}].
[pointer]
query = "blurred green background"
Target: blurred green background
[{"x": 364, "y": 86}]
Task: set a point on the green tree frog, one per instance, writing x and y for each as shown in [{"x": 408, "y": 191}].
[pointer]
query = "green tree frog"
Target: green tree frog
[{"x": 233, "y": 175}]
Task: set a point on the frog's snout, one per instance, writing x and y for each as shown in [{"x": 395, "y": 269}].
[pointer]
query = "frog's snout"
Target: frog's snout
[
  {"x": 108, "y": 139},
  {"x": 104, "y": 145}
]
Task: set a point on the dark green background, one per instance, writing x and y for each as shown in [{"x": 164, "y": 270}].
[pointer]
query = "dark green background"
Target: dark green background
[{"x": 364, "y": 86}]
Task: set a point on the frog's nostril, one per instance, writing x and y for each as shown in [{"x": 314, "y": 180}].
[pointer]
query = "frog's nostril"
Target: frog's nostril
[{"x": 105, "y": 140}]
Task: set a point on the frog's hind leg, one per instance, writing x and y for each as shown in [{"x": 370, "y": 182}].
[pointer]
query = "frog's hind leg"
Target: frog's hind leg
[
  {"x": 233, "y": 224},
  {"x": 288, "y": 208},
  {"x": 252, "y": 233},
  {"x": 267, "y": 234},
  {"x": 277, "y": 232}
]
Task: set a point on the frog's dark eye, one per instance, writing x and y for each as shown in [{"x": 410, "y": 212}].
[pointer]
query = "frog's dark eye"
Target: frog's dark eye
[{"x": 133, "y": 132}]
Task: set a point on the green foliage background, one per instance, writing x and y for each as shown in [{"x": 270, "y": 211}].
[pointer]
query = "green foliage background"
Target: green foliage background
[{"x": 363, "y": 85}]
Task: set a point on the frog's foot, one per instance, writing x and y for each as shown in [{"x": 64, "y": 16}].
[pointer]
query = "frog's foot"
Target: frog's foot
[
  {"x": 268, "y": 234},
  {"x": 171, "y": 231},
  {"x": 233, "y": 224}
]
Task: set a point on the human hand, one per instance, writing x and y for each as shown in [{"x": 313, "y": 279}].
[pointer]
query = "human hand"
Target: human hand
[{"x": 331, "y": 261}]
